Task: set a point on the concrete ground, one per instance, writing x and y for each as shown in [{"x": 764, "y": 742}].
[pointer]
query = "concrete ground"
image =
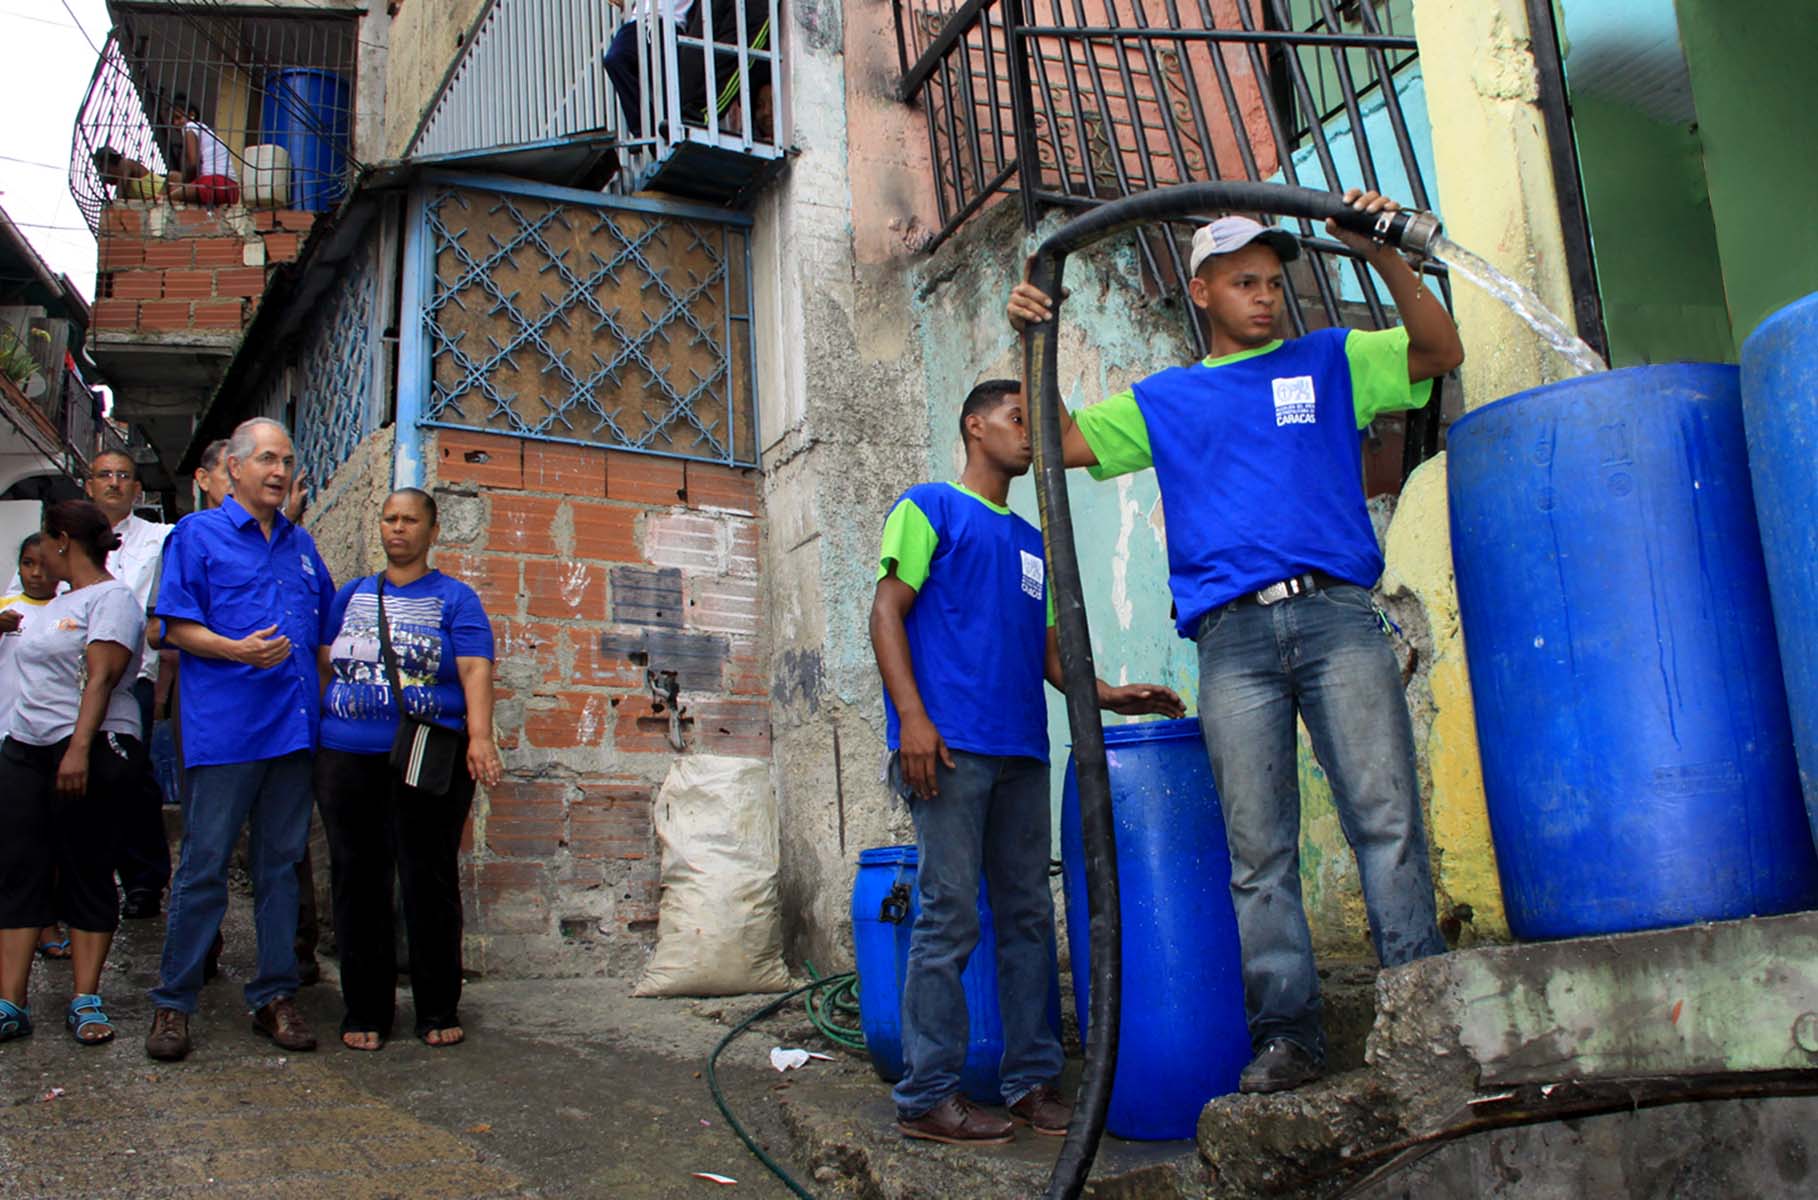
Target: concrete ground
[{"x": 564, "y": 1088}]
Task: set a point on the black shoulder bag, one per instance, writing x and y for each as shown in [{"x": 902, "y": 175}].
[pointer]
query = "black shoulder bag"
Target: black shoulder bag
[{"x": 423, "y": 753}]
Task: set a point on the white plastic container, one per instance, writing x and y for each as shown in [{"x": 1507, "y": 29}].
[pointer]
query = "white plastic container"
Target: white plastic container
[{"x": 267, "y": 183}]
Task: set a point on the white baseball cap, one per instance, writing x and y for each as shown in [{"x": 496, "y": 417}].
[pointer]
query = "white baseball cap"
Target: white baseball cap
[{"x": 1234, "y": 233}]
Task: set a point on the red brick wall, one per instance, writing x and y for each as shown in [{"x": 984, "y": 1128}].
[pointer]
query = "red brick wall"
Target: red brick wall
[
  {"x": 594, "y": 565},
  {"x": 164, "y": 270}
]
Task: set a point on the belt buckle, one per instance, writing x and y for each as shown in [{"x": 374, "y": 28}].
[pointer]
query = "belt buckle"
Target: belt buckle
[{"x": 1275, "y": 593}]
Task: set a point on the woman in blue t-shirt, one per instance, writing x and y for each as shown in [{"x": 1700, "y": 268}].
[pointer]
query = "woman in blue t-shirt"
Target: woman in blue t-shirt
[
  {"x": 70, "y": 758},
  {"x": 377, "y": 824}
]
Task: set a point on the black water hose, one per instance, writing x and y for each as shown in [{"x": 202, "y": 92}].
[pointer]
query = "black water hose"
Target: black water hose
[{"x": 1410, "y": 229}]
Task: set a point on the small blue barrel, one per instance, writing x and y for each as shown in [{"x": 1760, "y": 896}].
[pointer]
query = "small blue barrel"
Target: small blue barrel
[
  {"x": 1637, "y": 758},
  {"x": 885, "y": 905},
  {"x": 306, "y": 112},
  {"x": 1182, "y": 1037},
  {"x": 1780, "y": 413}
]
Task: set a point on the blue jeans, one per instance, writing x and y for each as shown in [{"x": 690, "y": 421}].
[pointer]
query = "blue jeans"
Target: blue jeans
[
  {"x": 992, "y": 816},
  {"x": 1325, "y": 657},
  {"x": 274, "y": 795}
]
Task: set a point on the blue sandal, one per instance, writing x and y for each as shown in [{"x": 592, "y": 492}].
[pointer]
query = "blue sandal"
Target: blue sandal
[
  {"x": 84, "y": 1011},
  {"x": 55, "y": 951},
  {"x": 15, "y": 1022}
]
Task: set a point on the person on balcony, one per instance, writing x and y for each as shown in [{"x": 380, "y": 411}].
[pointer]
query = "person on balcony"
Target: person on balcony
[
  {"x": 244, "y": 595},
  {"x": 431, "y": 661},
  {"x": 963, "y": 629},
  {"x": 621, "y": 59},
  {"x": 70, "y": 757},
  {"x": 130, "y": 178},
  {"x": 205, "y": 172},
  {"x": 1271, "y": 559}
]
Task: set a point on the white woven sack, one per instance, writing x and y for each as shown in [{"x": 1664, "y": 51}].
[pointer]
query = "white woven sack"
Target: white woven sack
[{"x": 719, "y": 923}]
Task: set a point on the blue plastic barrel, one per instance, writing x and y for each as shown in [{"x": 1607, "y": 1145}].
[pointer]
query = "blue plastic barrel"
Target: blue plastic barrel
[
  {"x": 1637, "y": 758},
  {"x": 306, "y": 112},
  {"x": 1780, "y": 413},
  {"x": 885, "y": 905},
  {"x": 1182, "y": 1037}
]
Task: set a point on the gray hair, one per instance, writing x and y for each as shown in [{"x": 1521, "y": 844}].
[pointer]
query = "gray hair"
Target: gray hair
[
  {"x": 245, "y": 436},
  {"x": 211, "y": 454}
]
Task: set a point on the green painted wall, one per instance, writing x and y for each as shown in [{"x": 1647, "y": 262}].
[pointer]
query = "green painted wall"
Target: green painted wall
[
  {"x": 1658, "y": 268},
  {"x": 1752, "y": 66}
]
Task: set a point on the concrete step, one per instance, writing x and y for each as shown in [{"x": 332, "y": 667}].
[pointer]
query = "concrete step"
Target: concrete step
[{"x": 1525, "y": 1034}]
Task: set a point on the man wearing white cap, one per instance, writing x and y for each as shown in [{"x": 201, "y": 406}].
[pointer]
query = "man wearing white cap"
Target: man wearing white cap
[{"x": 1271, "y": 557}]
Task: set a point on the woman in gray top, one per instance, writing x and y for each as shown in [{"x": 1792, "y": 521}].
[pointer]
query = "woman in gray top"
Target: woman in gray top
[{"x": 69, "y": 759}]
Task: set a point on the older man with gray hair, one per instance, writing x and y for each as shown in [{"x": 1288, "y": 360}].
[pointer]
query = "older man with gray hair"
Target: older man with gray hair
[{"x": 243, "y": 597}]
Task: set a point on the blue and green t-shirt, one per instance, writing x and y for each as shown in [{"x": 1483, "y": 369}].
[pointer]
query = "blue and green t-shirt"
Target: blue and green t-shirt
[
  {"x": 1259, "y": 460},
  {"x": 978, "y": 631}
]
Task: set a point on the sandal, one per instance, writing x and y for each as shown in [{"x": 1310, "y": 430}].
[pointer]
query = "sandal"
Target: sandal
[
  {"x": 84, "y": 1012},
  {"x": 55, "y": 951},
  {"x": 15, "y": 1022}
]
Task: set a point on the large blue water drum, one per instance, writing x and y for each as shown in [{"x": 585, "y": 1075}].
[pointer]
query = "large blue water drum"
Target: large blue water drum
[
  {"x": 885, "y": 906},
  {"x": 1182, "y": 1038},
  {"x": 1780, "y": 412},
  {"x": 1637, "y": 758},
  {"x": 306, "y": 112}
]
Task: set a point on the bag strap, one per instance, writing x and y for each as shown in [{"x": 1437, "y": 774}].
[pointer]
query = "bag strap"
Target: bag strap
[{"x": 391, "y": 659}]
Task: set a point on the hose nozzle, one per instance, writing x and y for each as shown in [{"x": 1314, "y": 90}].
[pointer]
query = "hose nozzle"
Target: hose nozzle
[{"x": 1407, "y": 228}]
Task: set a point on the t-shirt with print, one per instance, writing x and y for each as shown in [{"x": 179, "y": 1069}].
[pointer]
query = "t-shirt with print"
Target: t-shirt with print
[
  {"x": 432, "y": 622},
  {"x": 9, "y": 678},
  {"x": 51, "y": 662},
  {"x": 1259, "y": 459},
  {"x": 978, "y": 636}
]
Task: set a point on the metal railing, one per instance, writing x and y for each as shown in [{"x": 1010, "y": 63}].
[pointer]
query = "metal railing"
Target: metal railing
[
  {"x": 263, "y": 102},
  {"x": 545, "y": 72},
  {"x": 1075, "y": 102}
]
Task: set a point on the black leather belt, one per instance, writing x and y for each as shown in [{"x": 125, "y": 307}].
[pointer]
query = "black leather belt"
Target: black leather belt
[{"x": 1298, "y": 585}]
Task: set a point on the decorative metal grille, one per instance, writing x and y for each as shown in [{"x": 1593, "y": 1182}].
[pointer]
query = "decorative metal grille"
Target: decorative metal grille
[
  {"x": 335, "y": 403},
  {"x": 1076, "y": 102},
  {"x": 619, "y": 324}
]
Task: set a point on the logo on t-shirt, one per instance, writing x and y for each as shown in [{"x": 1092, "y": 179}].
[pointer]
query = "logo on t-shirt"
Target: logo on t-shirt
[
  {"x": 1294, "y": 403},
  {"x": 1032, "y": 574}
]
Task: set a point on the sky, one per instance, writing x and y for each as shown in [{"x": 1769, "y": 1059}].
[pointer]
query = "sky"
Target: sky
[{"x": 45, "y": 64}]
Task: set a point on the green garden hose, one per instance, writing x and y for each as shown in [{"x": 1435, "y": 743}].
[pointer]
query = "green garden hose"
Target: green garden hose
[{"x": 841, "y": 997}]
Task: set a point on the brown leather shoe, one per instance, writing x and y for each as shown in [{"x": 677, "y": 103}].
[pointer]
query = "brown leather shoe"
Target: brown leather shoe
[
  {"x": 168, "y": 1040},
  {"x": 282, "y": 1023},
  {"x": 958, "y": 1123},
  {"x": 1043, "y": 1110}
]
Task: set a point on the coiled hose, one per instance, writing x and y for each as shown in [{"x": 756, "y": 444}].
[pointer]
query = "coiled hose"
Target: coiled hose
[{"x": 1408, "y": 228}]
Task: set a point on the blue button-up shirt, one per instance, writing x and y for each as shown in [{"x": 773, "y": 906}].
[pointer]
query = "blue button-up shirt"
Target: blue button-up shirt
[{"x": 221, "y": 572}]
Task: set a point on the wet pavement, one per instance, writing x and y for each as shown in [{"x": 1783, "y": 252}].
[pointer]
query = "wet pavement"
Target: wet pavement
[{"x": 564, "y": 1088}]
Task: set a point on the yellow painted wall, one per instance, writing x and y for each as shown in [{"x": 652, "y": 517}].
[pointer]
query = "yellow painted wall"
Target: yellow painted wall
[
  {"x": 425, "y": 37},
  {"x": 1496, "y": 187}
]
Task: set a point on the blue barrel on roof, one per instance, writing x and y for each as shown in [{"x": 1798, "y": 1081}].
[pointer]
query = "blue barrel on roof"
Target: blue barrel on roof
[
  {"x": 1780, "y": 414},
  {"x": 1637, "y": 757},
  {"x": 1182, "y": 1036},
  {"x": 885, "y": 905},
  {"x": 306, "y": 111}
]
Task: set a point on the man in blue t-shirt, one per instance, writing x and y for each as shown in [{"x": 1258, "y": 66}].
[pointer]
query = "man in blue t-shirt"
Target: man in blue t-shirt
[
  {"x": 962, "y": 625},
  {"x": 1271, "y": 557}
]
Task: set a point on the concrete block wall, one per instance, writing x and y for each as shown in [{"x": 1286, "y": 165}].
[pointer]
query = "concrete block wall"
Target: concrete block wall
[
  {"x": 595, "y": 566},
  {"x": 164, "y": 270}
]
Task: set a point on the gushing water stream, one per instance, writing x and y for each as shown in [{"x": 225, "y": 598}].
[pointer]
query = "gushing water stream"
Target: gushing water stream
[{"x": 1521, "y": 301}]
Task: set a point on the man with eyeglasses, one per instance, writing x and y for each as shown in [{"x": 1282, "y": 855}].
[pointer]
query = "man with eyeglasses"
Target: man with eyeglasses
[
  {"x": 144, "y": 858},
  {"x": 243, "y": 597}
]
